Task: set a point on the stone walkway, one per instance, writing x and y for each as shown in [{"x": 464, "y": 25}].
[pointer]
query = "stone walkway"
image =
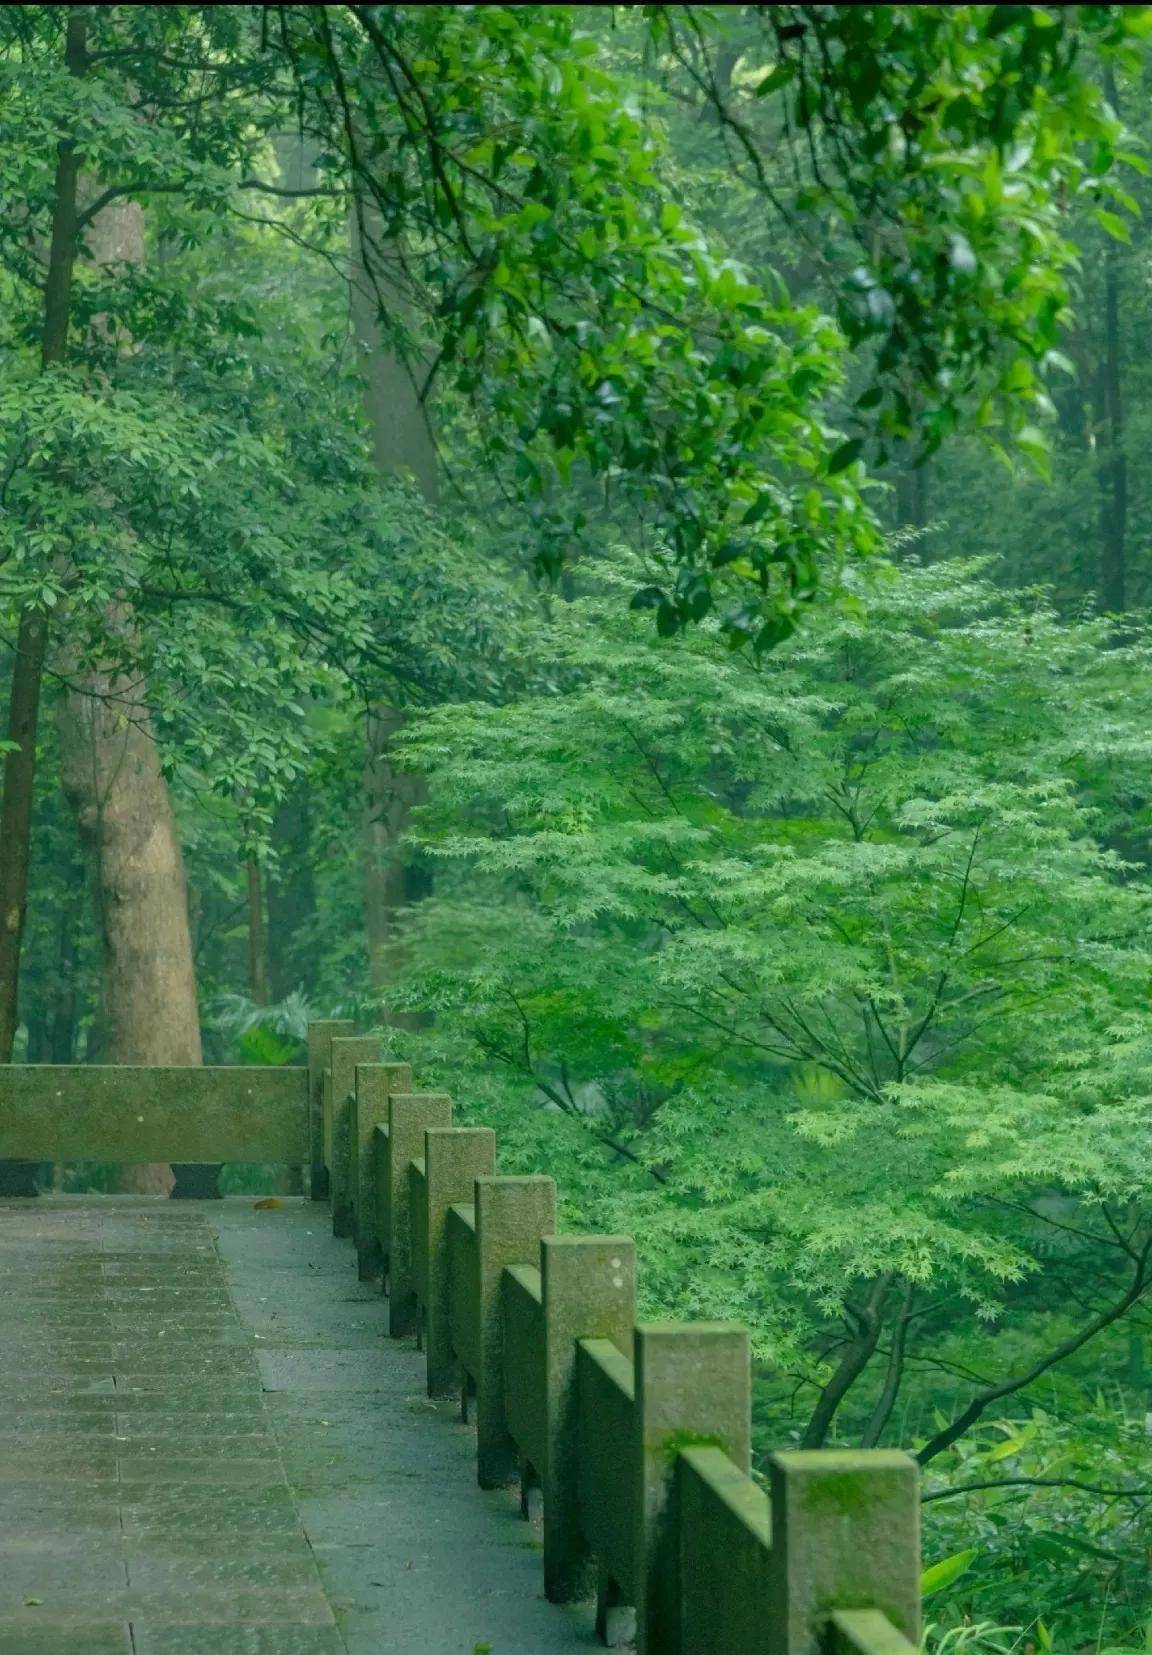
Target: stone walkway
[{"x": 209, "y": 1447}]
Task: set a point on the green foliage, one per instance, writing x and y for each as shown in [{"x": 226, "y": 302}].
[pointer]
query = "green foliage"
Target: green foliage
[
  {"x": 592, "y": 327},
  {"x": 519, "y": 188},
  {"x": 938, "y": 149},
  {"x": 819, "y": 964},
  {"x": 1059, "y": 1531},
  {"x": 817, "y": 974},
  {"x": 825, "y": 952}
]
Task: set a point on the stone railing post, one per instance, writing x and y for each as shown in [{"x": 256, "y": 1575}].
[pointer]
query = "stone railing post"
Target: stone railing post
[
  {"x": 454, "y": 1157},
  {"x": 346, "y": 1054},
  {"x": 374, "y": 1084},
  {"x": 845, "y": 1534},
  {"x": 693, "y": 1388},
  {"x": 513, "y": 1215},
  {"x": 410, "y": 1114},
  {"x": 588, "y": 1288},
  {"x": 320, "y": 1035}
]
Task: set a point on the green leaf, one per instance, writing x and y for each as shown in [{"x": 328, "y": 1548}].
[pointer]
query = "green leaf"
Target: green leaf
[
  {"x": 777, "y": 77},
  {"x": 844, "y": 456},
  {"x": 648, "y": 597},
  {"x": 774, "y": 632},
  {"x": 1003, "y": 18},
  {"x": 667, "y": 619},
  {"x": 1118, "y": 228},
  {"x": 946, "y": 1572}
]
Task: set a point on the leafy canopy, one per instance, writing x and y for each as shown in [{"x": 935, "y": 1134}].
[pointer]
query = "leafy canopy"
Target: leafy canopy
[
  {"x": 830, "y": 949},
  {"x": 512, "y": 188}
]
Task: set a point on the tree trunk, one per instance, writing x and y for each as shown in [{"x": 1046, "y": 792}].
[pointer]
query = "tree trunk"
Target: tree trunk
[
  {"x": 111, "y": 774},
  {"x": 62, "y": 1010},
  {"x": 32, "y": 635},
  {"x": 16, "y": 814},
  {"x": 291, "y": 900},
  {"x": 1113, "y": 461},
  {"x": 404, "y": 446},
  {"x": 912, "y": 497},
  {"x": 867, "y": 1324},
  {"x": 110, "y": 769},
  {"x": 402, "y": 436},
  {"x": 19, "y": 1177},
  {"x": 389, "y": 797},
  {"x": 257, "y": 947}
]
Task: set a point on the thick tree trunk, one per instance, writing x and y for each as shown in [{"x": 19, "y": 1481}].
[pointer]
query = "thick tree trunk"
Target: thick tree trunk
[
  {"x": 404, "y": 446},
  {"x": 111, "y": 774},
  {"x": 110, "y": 769}
]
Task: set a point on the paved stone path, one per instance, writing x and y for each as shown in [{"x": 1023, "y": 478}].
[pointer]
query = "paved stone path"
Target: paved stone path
[{"x": 209, "y": 1447}]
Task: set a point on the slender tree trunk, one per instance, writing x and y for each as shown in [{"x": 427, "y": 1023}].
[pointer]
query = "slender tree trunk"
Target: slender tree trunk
[
  {"x": 912, "y": 497},
  {"x": 389, "y": 797},
  {"x": 257, "y": 946},
  {"x": 291, "y": 900},
  {"x": 890, "y": 1390},
  {"x": 868, "y": 1324},
  {"x": 16, "y": 814},
  {"x": 403, "y": 445},
  {"x": 62, "y": 1014},
  {"x": 32, "y": 635},
  {"x": 38, "y": 1036},
  {"x": 1113, "y": 463},
  {"x": 19, "y": 1177}
]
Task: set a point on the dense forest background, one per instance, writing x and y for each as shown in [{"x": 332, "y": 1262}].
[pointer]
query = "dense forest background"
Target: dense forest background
[{"x": 544, "y": 530}]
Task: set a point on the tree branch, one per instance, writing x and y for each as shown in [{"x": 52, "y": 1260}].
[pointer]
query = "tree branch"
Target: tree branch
[
  {"x": 1068, "y": 1347},
  {"x": 886, "y": 1401},
  {"x": 851, "y": 1365},
  {"x": 1038, "y": 1482}
]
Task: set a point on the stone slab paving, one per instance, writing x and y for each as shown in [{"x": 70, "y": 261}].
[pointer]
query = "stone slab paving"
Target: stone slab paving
[{"x": 208, "y": 1446}]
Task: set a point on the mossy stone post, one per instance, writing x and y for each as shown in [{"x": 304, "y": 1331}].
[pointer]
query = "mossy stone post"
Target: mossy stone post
[
  {"x": 410, "y": 1114},
  {"x": 588, "y": 1290},
  {"x": 320, "y": 1035},
  {"x": 845, "y": 1535},
  {"x": 513, "y": 1215},
  {"x": 454, "y": 1157},
  {"x": 723, "y": 1515},
  {"x": 326, "y": 1124},
  {"x": 346, "y": 1054},
  {"x": 374, "y": 1083},
  {"x": 693, "y": 1388}
]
